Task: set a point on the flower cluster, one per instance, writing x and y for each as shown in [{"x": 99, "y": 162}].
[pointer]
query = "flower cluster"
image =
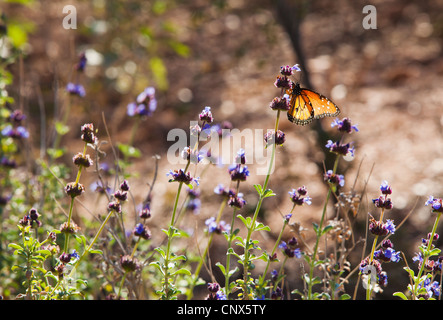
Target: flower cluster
[
  {"x": 64, "y": 259},
  {"x": 119, "y": 196},
  {"x": 343, "y": 126},
  {"x": 75, "y": 89},
  {"x": 383, "y": 201},
  {"x": 31, "y": 219},
  {"x": 129, "y": 264},
  {"x": 283, "y": 81},
  {"x": 337, "y": 180},
  {"x": 300, "y": 196},
  {"x": 387, "y": 252},
  {"x": 142, "y": 231},
  {"x": 380, "y": 228},
  {"x": 218, "y": 228},
  {"x": 430, "y": 266},
  {"x": 290, "y": 248},
  {"x": 271, "y": 138},
  {"x": 194, "y": 203},
  {"x": 15, "y": 129},
  {"x": 215, "y": 292},
  {"x": 144, "y": 105},
  {"x": 180, "y": 176},
  {"x": 340, "y": 148},
  {"x": 435, "y": 203}
]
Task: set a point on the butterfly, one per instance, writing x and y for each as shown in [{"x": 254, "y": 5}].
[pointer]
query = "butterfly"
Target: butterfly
[{"x": 307, "y": 105}]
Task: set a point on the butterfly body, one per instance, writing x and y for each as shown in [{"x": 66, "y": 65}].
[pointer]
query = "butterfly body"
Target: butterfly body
[{"x": 307, "y": 105}]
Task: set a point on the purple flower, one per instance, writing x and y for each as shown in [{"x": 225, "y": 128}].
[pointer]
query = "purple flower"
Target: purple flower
[
  {"x": 145, "y": 104},
  {"x": 335, "y": 179},
  {"x": 181, "y": 176},
  {"x": 299, "y": 196},
  {"x": 289, "y": 71},
  {"x": 271, "y": 138},
  {"x": 206, "y": 115},
  {"x": 344, "y": 125},
  {"x": 81, "y": 63},
  {"x": 282, "y": 103},
  {"x": 385, "y": 188},
  {"x": 381, "y": 228},
  {"x": 241, "y": 156},
  {"x": 383, "y": 202},
  {"x": 236, "y": 200},
  {"x": 432, "y": 288},
  {"x": 76, "y": 89},
  {"x": 289, "y": 248},
  {"x": 212, "y": 225},
  {"x": 436, "y": 204},
  {"x": 74, "y": 254},
  {"x": 16, "y": 133},
  {"x": 238, "y": 172},
  {"x": 191, "y": 155},
  {"x": 340, "y": 149},
  {"x": 141, "y": 231},
  {"x": 387, "y": 255}
]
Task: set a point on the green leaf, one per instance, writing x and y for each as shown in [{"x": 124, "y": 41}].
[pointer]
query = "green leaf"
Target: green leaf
[
  {"x": 410, "y": 271},
  {"x": 246, "y": 221},
  {"x": 17, "y": 35},
  {"x": 345, "y": 297},
  {"x": 157, "y": 265},
  {"x": 434, "y": 252},
  {"x": 400, "y": 295},
  {"x": 179, "y": 258},
  {"x": 83, "y": 282},
  {"x": 129, "y": 151},
  {"x": 159, "y": 72},
  {"x": 222, "y": 267},
  {"x": 315, "y": 227},
  {"x": 96, "y": 251},
  {"x": 44, "y": 251},
  {"x": 181, "y": 271},
  {"x": 268, "y": 193},
  {"x": 15, "y": 246},
  {"x": 55, "y": 153},
  {"x": 17, "y": 268},
  {"x": 261, "y": 227},
  {"x": 326, "y": 229},
  {"x": 264, "y": 256},
  {"x": 50, "y": 275},
  {"x": 161, "y": 251},
  {"x": 180, "y": 48},
  {"x": 61, "y": 128},
  {"x": 259, "y": 189}
]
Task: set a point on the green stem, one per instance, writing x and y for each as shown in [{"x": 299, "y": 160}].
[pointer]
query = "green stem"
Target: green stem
[
  {"x": 71, "y": 206},
  {"x": 262, "y": 282},
  {"x": 228, "y": 256},
  {"x": 318, "y": 235},
  {"x": 203, "y": 257},
  {"x": 170, "y": 234},
  {"x": 425, "y": 258},
  {"x": 257, "y": 209},
  {"x": 280, "y": 272}
]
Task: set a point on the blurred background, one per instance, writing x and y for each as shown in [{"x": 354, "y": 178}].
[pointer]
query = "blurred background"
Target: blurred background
[{"x": 226, "y": 54}]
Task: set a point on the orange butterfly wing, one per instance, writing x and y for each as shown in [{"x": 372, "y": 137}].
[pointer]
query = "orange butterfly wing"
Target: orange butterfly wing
[{"x": 307, "y": 105}]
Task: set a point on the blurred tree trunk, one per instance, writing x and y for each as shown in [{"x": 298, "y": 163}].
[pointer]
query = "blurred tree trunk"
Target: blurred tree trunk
[{"x": 290, "y": 14}]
